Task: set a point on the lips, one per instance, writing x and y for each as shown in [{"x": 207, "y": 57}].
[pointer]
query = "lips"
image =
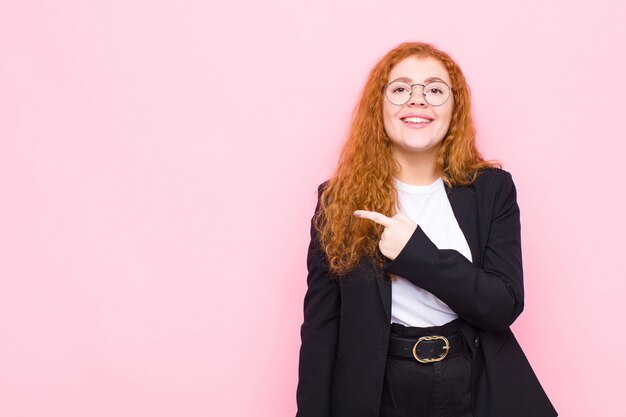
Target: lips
[{"x": 415, "y": 119}]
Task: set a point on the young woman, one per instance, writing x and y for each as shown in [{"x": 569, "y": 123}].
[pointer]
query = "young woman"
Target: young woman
[{"x": 415, "y": 267}]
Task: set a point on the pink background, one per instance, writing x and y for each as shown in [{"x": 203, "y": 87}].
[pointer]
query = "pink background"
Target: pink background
[{"x": 158, "y": 170}]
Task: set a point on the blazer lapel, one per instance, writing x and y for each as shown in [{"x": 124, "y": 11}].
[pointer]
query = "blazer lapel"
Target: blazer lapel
[{"x": 464, "y": 206}]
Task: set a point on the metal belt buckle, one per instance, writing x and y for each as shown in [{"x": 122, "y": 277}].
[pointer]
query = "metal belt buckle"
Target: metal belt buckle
[{"x": 445, "y": 348}]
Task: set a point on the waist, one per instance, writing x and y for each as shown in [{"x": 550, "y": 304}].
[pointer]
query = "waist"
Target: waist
[{"x": 426, "y": 344}]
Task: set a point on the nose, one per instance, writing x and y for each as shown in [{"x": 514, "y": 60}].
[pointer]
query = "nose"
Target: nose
[{"x": 417, "y": 99}]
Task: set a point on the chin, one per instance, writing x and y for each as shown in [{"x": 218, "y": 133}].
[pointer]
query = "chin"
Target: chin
[{"x": 418, "y": 146}]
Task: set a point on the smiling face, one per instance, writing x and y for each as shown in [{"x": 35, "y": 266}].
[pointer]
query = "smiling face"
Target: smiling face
[{"x": 416, "y": 127}]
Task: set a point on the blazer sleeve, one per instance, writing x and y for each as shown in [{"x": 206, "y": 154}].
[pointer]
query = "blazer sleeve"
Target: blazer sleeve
[
  {"x": 319, "y": 332},
  {"x": 490, "y": 297}
]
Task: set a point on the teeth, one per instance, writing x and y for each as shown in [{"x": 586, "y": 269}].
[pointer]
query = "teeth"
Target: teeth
[{"x": 416, "y": 120}]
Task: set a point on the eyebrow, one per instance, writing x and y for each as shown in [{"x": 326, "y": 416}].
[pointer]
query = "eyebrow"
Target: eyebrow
[{"x": 426, "y": 81}]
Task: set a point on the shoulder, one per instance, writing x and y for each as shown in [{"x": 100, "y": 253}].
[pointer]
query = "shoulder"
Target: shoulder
[
  {"x": 495, "y": 187},
  {"x": 322, "y": 186},
  {"x": 320, "y": 190},
  {"x": 493, "y": 179}
]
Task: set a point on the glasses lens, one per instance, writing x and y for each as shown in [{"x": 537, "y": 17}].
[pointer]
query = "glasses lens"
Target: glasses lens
[
  {"x": 436, "y": 93},
  {"x": 398, "y": 92}
]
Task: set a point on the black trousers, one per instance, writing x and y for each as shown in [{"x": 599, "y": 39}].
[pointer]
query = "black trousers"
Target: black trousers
[{"x": 437, "y": 389}]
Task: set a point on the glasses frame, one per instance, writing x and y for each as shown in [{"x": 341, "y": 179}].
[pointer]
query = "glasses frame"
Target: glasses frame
[{"x": 423, "y": 93}]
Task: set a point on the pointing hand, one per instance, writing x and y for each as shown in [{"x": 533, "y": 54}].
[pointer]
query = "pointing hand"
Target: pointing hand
[{"x": 398, "y": 231}]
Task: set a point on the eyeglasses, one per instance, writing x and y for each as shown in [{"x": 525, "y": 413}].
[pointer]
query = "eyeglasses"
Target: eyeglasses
[{"x": 435, "y": 93}]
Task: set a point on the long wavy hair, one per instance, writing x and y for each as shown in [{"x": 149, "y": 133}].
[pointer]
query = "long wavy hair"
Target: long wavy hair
[{"x": 364, "y": 178}]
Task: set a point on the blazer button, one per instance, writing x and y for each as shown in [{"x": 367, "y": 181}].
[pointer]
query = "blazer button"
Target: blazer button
[{"x": 476, "y": 341}]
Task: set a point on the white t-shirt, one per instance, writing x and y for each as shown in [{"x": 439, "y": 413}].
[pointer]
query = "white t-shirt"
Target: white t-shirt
[{"x": 429, "y": 207}]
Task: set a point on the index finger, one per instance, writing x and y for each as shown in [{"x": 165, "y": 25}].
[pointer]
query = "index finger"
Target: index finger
[{"x": 374, "y": 216}]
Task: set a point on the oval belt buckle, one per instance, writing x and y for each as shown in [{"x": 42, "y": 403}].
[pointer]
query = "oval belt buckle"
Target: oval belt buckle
[{"x": 446, "y": 348}]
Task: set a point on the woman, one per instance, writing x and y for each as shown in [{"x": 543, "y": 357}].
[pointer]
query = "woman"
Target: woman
[{"x": 415, "y": 269}]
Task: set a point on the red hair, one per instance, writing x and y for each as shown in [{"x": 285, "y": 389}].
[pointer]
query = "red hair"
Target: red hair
[{"x": 364, "y": 176}]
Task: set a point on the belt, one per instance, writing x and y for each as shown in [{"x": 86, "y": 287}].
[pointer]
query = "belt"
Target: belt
[{"x": 425, "y": 349}]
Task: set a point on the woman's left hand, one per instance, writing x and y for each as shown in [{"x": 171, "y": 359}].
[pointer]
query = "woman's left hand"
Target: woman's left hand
[{"x": 398, "y": 231}]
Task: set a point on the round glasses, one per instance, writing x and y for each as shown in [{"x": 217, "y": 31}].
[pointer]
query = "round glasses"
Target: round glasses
[{"x": 435, "y": 93}]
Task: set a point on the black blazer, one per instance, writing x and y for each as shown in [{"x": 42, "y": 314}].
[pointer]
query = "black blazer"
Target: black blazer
[{"x": 346, "y": 325}]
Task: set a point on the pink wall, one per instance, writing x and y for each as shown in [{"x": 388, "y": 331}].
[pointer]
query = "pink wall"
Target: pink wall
[{"x": 158, "y": 168}]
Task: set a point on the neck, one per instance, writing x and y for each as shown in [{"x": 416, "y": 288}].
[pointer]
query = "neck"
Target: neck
[{"x": 417, "y": 169}]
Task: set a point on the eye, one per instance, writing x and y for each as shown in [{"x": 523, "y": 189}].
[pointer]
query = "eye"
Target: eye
[
  {"x": 398, "y": 88},
  {"x": 435, "y": 90}
]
